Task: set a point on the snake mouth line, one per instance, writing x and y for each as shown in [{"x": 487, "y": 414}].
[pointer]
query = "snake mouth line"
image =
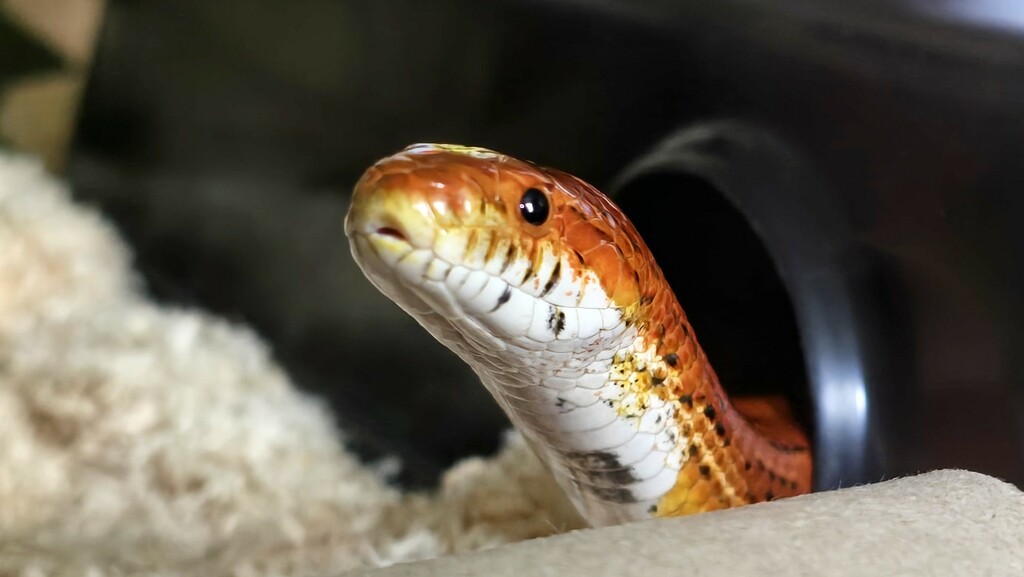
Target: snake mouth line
[{"x": 392, "y": 232}]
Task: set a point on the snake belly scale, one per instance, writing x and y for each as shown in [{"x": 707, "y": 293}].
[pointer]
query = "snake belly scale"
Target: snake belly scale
[{"x": 544, "y": 288}]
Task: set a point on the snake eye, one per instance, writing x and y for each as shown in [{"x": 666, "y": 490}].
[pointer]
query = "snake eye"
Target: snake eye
[{"x": 534, "y": 206}]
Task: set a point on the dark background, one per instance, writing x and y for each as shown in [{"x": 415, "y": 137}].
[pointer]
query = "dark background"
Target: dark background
[{"x": 832, "y": 187}]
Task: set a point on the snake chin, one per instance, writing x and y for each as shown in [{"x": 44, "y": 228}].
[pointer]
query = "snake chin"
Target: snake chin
[
  {"x": 401, "y": 272},
  {"x": 376, "y": 257}
]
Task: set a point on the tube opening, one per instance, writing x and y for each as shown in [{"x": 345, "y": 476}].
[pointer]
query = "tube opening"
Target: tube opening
[{"x": 726, "y": 282}]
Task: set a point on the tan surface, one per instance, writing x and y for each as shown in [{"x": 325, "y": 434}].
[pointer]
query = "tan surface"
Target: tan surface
[
  {"x": 945, "y": 523},
  {"x": 69, "y": 27},
  {"x": 38, "y": 114}
]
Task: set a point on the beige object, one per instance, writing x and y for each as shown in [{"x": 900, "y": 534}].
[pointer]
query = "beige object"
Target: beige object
[
  {"x": 68, "y": 27},
  {"x": 949, "y": 523},
  {"x": 38, "y": 114},
  {"x": 138, "y": 439}
]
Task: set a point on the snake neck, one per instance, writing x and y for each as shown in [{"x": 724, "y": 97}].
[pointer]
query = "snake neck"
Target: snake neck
[
  {"x": 636, "y": 425},
  {"x": 736, "y": 452}
]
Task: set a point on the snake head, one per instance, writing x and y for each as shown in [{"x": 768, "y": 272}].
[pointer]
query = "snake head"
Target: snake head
[{"x": 503, "y": 250}]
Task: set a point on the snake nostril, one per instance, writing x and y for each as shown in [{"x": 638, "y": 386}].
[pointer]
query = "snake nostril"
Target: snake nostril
[{"x": 392, "y": 232}]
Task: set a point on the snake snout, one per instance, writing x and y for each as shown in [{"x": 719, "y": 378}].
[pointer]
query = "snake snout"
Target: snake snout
[{"x": 390, "y": 208}]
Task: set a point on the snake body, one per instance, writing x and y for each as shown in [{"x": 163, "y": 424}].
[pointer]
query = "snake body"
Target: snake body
[{"x": 540, "y": 283}]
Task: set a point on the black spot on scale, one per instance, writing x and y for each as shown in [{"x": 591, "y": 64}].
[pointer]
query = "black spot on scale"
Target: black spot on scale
[
  {"x": 687, "y": 399},
  {"x": 781, "y": 447},
  {"x": 509, "y": 254},
  {"x": 603, "y": 475},
  {"x": 709, "y": 412},
  {"x": 720, "y": 430},
  {"x": 672, "y": 359},
  {"x": 556, "y": 321},
  {"x": 705, "y": 471},
  {"x": 768, "y": 496},
  {"x": 528, "y": 274},
  {"x": 555, "y": 274},
  {"x": 504, "y": 298}
]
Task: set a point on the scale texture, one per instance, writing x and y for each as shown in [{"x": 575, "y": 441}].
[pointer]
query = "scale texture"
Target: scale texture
[{"x": 542, "y": 285}]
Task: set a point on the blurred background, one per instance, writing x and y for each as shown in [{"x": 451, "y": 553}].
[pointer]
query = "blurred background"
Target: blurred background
[{"x": 832, "y": 187}]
